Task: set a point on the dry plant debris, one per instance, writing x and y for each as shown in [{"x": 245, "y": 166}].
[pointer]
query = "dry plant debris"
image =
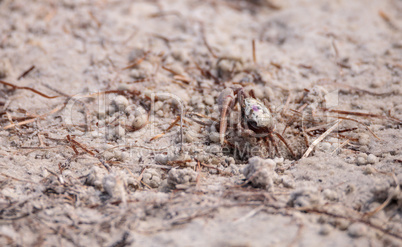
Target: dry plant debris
[{"x": 131, "y": 122}]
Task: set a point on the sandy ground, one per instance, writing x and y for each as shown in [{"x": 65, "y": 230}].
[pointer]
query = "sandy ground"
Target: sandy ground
[{"x": 107, "y": 163}]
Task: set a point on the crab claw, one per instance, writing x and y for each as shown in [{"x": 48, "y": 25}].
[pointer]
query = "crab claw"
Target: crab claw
[{"x": 225, "y": 101}]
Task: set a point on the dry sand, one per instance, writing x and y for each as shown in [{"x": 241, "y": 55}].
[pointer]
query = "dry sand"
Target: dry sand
[{"x": 93, "y": 168}]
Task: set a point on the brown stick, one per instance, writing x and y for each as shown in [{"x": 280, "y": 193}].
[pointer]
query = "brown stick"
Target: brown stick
[
  {"x": 206, "y": 43},
  {"x": 72, "y": 145},
  {"x": 26, "y": 72},
  {"x": 30, "y": 89},
  {"x": 137, "y": 62},
  {"x": 362, "y": 114},
  {"x": 254, "y": 55}
]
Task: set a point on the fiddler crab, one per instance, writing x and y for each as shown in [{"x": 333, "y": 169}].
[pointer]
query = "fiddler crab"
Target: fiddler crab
[{"x": 256, "y": 118}]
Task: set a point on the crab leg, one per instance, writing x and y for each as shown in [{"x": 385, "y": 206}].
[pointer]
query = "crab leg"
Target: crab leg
[{"x": 284, "y": 141}]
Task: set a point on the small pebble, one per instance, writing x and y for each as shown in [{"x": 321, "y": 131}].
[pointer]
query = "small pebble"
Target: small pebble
[
  {"x": 258, "y": 92},
  {"x": 215, "y": 161},
  {"x": 180, "y": 55},
  {"x": 214, "y": 149},
  {"x": 181, "y": 178},
  {"x": 132, "y": 183},
  {"x": 98, "y": 184},
  {"x": 325, "y": 146},
  {"x": 160, "y": 113},
  {"x": 109, "y": 184},
  {"x": 140, "y": 121},
  {"x": 189, "y": 137},
  {"x": 177, "y": 69},
  {"x": 101, "y": 123},
  {"x": 161, "y": 158},
  {"x": 232, "y": 169},
  {"x": 341, "y": 224},
  {"x": 357, "y": 230},
  {"x": 279, "y": 161},
  {"x": 335, "y": 146},
  {"x": 195, "y": 100},
  {"x": 325, "y": 229},
  {"x": 214, "y": 136},
  {"x": 369, "y": 170},
  {"x": 95, "y": 134},
  {"x": 152, "y": 178},
  {"x": 350, "y": 188},
  {"x": 5, "y": 68},
  {"x": 372, "y": 159},
  {"x": 330, "y": 195},
  {"x": 269, "y": 93},
  {"x": 209, "y": 100},
  {"x": 287, "y": 182},
  {"x": 230, "y": 161},
  {"x": 107, "y": 155},
  {"x": 121, "y": 102},
  {"x": 225, "y": 68},
  {"x": 123, "y": 87},
  {"x": 100, "y": 113},
  {"x": 119, "y": 132},
  {"x": 361, "y": 160},
  {"x": 364, "y": 139},
  {"x": 158, "y": 105},
  {"x": 118, "y": 154},
  {"x": 111, "y": 110},
  {"x": 138, "y": 74},
  {"x": 202, "y": 157}
]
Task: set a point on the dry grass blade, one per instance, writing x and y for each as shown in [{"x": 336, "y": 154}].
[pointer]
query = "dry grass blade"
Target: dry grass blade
[
  {"x": 157, "y": 137},
  {"x": 40, "y": 148},
  {"x": 136, "y": 146},
  {"x": 296, "y": 239},
  {"x": 387, "y": 20},
  {"x": 182, "y": 78},
  {"x": 170, "y": 70},
  {"x": 354, "y": 120},
  {"x": 204, "y": 39},
  {"x": 351, "y": 219},
  {"x": 320, "y": 138},
  {"x": 249, "y": 214},
  {"x": 341, "y": 146},
  {"x": 34, "y": 119},
  {"x": 169, "y": 128},
  {"x": 254, "y": 55},
  {"x": 76, "y": 143},
  {"x": 20, "y": 123},
  {"x": 136, "y": 63},
  {"x": 72, "y": 145},
  {"x": 285, "y": 108},
  {"x": 355, "y": 89},
  {"x": 362, "y": 114},
  {"x": 190, "y": 114},
  {"x": 388, "y": 200},
  {"x": 17, "y": 179},
  {"x": 178, "y": 162}
]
